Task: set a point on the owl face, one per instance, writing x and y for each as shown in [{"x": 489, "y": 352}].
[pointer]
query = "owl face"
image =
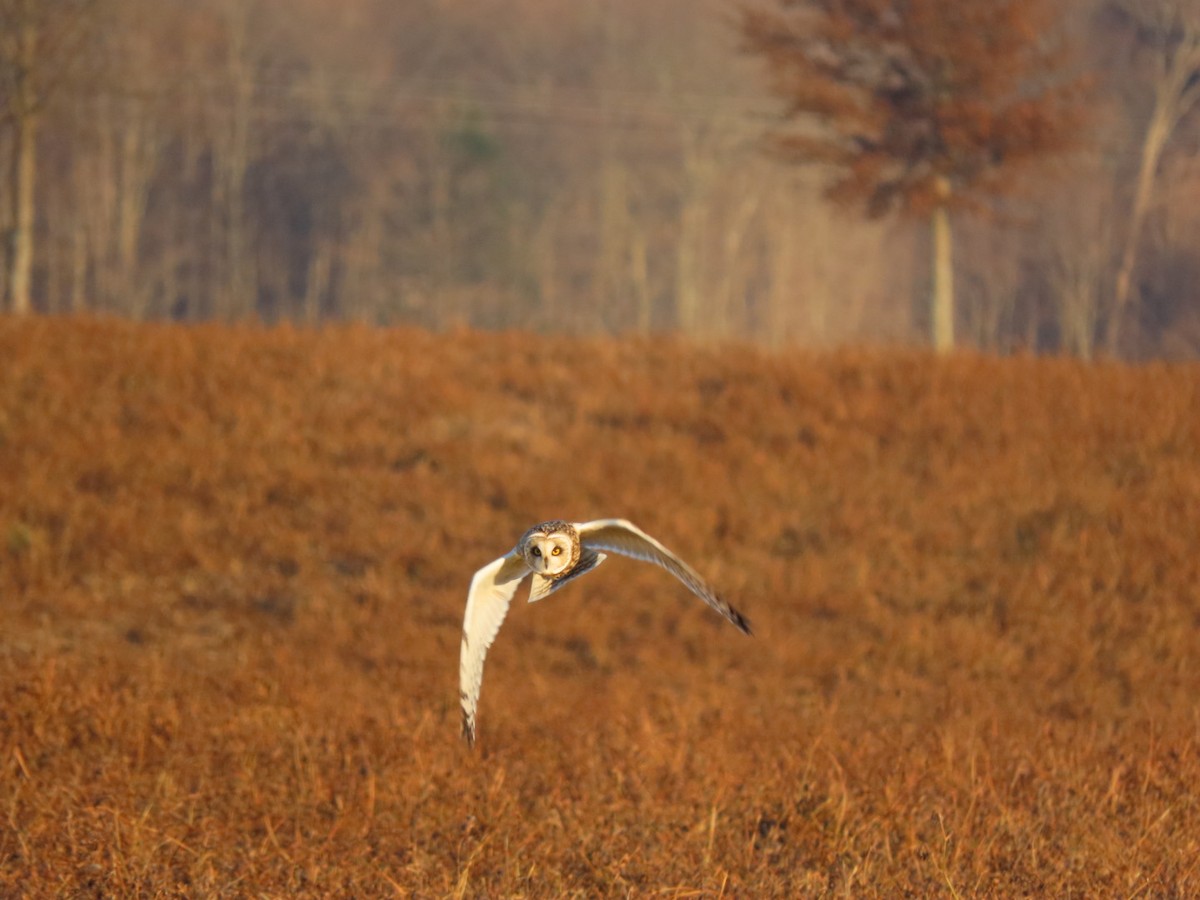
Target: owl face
[{"x": 551, "y": 553}]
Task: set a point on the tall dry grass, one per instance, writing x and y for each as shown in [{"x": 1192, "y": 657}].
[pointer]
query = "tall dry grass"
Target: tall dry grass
[{"x": 234, "y": 560}]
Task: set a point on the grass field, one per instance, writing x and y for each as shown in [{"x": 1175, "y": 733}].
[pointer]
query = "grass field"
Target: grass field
[{"x": 233, "y": 564}]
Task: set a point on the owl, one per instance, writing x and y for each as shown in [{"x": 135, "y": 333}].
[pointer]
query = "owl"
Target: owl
[{"x": 555, "y": 553}]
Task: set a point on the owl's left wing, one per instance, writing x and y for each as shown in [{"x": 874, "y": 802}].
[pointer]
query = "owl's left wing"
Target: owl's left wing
[
  {"x": 492, "y": 590},
  {"x": 622, "y": 536}
]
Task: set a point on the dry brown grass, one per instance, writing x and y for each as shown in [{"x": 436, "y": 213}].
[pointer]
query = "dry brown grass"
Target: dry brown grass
[{"x": 234, "y": 561}]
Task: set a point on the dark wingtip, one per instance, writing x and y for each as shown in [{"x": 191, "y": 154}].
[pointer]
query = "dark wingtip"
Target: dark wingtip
[
  {"x": 468, "y": 732},
  {"x": 742, "y": 623},
  {"x": 736, "y": 618}
]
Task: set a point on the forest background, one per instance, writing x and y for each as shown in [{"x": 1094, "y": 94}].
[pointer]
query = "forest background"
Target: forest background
[{"x": 575, "y": 167}]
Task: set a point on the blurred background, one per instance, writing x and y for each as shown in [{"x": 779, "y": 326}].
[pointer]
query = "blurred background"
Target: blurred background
[{"x": 577, "y": 166}]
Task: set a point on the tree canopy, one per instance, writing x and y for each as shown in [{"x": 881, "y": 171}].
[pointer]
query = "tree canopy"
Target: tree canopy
[{"x": 915, "y": 103}]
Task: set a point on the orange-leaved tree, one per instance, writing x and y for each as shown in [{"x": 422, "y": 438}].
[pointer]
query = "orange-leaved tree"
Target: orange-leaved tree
[{"x": 917, "y": 106}]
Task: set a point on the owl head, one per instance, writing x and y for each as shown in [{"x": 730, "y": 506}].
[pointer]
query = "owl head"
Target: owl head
[{"x": 551, "y": 549}]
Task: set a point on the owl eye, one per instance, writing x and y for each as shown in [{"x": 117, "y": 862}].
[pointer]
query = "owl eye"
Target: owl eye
[
  {"x": 557, "y": 551},
  {"x": 536, "y": 551}
]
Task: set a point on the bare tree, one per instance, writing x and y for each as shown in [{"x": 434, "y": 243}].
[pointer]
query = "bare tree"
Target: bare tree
[{"x": 1169, "y": 31}]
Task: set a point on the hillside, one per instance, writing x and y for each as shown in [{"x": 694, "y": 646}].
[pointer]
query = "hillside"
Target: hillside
[{"x": 233, "y": 571}]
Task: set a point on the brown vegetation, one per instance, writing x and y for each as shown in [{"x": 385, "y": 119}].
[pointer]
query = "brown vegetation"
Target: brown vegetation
[{"x": 234, "y": 564}]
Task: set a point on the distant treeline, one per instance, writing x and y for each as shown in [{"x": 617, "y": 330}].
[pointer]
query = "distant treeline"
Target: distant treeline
[{"x": 547, "y": 165}]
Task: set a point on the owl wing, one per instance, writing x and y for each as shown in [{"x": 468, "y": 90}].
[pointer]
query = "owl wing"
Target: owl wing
[
  {"x": 492, "y": 590},
  {"x": 622, "y": 536}
]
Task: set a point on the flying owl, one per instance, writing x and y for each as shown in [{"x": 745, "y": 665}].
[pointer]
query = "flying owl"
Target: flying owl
[{"x": 555, "y": 553}]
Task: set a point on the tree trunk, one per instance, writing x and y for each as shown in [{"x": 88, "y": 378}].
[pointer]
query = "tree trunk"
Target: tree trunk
[
  {"x": 639, "y": 274},
  {"x": 316, "y": 286},
  {"x": 130, "y": 206},
  {"x": 238, "y": 298},
  {"x": 23, "y": 174},
  {"x": 781, "y": 297},
  {"x": 443, "y": 262},
  {"x": 79, "y": 268},
  {"x": 1157, "y": 133},
  {"x": 943, "y": 281},
  {"x": 609, "y": 283},
  {"x": 730, "y": 288},
  {"x": 687, "y": 290},
  {"x": 688, "y": 248},
  {"x": 546, "y": 264}
]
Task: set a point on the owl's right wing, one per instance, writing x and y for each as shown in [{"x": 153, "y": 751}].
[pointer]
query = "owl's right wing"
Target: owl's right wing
[
  {"x": 622, "y": 536},
  {"x": 491, "y": 592}
]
